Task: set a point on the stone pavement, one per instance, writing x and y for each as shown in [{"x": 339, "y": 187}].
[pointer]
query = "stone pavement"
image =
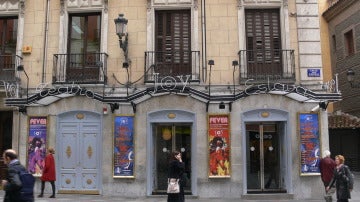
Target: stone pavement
[{"x": 96, "y": 198}]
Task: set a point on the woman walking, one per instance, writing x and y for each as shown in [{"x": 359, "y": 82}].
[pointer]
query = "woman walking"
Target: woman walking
[
  {"x": 343, "y": 179},
  {"x": 48, "y": 174}
]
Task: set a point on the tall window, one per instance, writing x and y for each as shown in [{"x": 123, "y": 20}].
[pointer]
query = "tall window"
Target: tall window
[
  {"x": 349, "y": 43},
  {"x": 173, "y": 42},
  {"x": 8, "y": 35},
  {"x": 263, "y": 41},
  {"x": 84, "y": 47}
]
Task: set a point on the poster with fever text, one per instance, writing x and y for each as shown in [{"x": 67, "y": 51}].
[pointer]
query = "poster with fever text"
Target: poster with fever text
[
  {"x": 219, "y": 145},
  {"x": 36, "y": 144}
]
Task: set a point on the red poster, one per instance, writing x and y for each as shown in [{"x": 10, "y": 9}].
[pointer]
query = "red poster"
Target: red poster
[{"x": 219, "y": 145}]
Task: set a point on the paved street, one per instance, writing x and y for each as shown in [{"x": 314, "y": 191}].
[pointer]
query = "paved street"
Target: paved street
[{"x": 96, "y": 198}]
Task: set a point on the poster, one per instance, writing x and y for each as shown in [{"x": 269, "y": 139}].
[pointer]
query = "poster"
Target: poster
[
  {"x": 37, "y": 144},
  {"x": 219, "y": 145},
  {"x": 309, "y": 143},
  {"x": 123, "y": 146}
]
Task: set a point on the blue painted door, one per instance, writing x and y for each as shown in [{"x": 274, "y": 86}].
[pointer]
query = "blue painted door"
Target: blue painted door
[{"x": 79, "y": 149}]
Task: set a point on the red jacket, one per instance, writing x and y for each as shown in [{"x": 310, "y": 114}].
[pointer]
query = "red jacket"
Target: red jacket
[
  {"x": 49, "y": 169},
  {"x": 327, "y": 166}
]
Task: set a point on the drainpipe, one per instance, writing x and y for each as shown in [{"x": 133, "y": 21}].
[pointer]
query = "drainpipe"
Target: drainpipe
[
  {"x": 45, "y": 41},
  {"x": 203, "y": 40}
]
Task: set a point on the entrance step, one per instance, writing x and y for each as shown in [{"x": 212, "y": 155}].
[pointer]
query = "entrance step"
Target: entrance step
[{"x": 272, "y": 196}]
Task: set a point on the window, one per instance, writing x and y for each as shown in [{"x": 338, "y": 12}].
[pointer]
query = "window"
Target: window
[
  {"x": 84, "y": 47},
  {"x": 263, "y": 42},
  {"x": 8, "y": 36},
  {"x": 173, "y": 42},
  {"x": 349, "y": 43}
]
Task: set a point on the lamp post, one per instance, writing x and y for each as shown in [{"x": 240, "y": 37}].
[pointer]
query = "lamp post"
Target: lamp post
[
  {"x": 20, "y": 68},
  {"x": 234, "y": 63},
  {"x": 351, "y": 77},
  {"x": 121, "y": 31},
  {"x": 211, "y": 63}
]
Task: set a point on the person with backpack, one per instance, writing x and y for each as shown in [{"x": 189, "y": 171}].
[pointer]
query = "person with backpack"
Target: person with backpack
[
  {"x": 14, "y": 185},
  {"x": 48, "y": 174}
]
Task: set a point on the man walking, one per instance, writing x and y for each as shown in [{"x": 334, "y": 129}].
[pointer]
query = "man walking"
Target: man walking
[
  {"x": 12, "y": 185},
  {"x": 327, "y": 166}
]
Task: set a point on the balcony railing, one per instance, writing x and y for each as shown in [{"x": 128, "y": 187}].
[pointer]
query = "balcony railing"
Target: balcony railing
[
  {"x": 8, "y": 65},
  {"x": 89, "y": 68},
  {"x": 160, "y": 65},
  {"x": 264, "y": 65}
]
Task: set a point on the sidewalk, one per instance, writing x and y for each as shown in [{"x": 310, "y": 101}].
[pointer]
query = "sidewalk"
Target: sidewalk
[{"x": 355, "y": 195}]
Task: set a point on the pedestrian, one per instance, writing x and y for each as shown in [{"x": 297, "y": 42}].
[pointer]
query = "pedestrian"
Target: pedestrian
[
  {"x": 327, "y": 166},
  {"x": 48, "y": 174},
  {"x": 176, "y": 170},
  {"x": 12, "y": 184},
  {"x": 343, "y": 180}
]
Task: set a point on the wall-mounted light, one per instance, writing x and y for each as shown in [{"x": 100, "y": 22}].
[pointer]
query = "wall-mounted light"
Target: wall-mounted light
[
  {"x": 20, "y": 68},
  {"x": 351, "y": 77},
  {"x": 113, "y": 107},
  {"x": 234, "y": 64},
  {"x": 211, "y": 63},
  {"x": 222, "y": 105},
  {"x": 22, "y": 109},
  {"x": 121, "y": 31}
]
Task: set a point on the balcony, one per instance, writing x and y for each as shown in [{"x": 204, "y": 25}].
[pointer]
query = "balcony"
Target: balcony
[
  {"x": 89, "y": 68},
  {"x": 161, "y": 65},
  {"x": 267, "y": 65},
  {"x": 8, "y": 64}
]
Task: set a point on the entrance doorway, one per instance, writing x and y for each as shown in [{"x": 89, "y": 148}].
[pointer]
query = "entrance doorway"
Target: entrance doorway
[
  {"x": 79, "y": 141},
  {"x": 263, "y": 157},
  {"x": 6, "y": 120},
  {"x": 170, "y": 137}
]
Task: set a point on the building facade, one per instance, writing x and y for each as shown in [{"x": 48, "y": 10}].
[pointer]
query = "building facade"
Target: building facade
[
  {"x": 341, "y": 19},
  {"x": 235, "y": 85}
]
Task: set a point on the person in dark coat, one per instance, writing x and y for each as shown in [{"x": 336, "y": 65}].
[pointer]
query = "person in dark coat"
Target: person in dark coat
[
  {"x": 327, "y": 166},
  {"x": 48, "y": 174},
  {"x": 12, "y": 184},
  {"x": 343, "y": 179},
  {"x": 176, "y": 170}
]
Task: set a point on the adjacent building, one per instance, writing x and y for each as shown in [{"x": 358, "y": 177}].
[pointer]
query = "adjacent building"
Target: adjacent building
[
  {"x": 236, "y": 85},
  {"x": 341, "y": 19}
]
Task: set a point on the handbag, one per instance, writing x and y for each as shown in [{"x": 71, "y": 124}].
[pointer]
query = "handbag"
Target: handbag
[{"x": 173, "y": 186}]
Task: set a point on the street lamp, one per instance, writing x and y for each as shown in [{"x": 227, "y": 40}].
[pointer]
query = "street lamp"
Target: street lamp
[
  {"x": 20, "y": 68},
  {"x": 351, "y": 77},
  {"x": 121, "y": 31}
]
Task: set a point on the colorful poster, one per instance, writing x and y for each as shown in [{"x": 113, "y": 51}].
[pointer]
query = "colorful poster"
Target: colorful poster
[
  {"x": 36, "y": 144},
  {"x": 309, "y": 143},
  {"x": 123, "y": 146},
  {"x": 219, "y": 146}
]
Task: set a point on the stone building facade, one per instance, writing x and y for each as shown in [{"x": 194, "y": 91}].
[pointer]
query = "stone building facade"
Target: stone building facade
[{"x": 184, "y": 68}]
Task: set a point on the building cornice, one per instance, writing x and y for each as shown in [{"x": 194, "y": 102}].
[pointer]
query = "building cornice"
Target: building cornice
[{"x": 337, "y": 8}]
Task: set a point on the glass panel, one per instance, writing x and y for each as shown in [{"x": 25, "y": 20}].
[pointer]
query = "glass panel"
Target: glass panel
[
  {"x": 253, "y": 156},
  {"x": 271, "y": 157},
  {"x": 8, "y": 36}
]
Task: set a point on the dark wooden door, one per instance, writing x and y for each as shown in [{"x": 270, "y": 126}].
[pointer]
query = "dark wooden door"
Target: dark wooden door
[{"x": 6, "y": 119}]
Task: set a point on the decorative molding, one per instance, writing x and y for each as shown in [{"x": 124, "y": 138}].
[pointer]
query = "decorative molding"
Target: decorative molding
[
  {"x": 148, "y": 5},
  {"x": 106, "y": 6},
  {"x": 196, "y": 6},
  {"x": 22, "y": 8},
  {"x": 62, "y": 7},
  {"x": 285, "y": 3},
  {"x": 240, "y": 4}
]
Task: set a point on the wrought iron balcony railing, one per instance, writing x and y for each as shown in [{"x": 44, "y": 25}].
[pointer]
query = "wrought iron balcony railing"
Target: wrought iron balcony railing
[
  {"x": 8, "y": 65},
  {"x": 263, "y": 65},
  {"x": 89, "y": 68},
  {"x": 165, "y": 64}
]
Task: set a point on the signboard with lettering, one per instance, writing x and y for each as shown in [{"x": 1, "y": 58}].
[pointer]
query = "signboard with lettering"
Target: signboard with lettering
[
  {"x": 123, "y": 156},
  {"x": 313, "y": 72},
  {"x": 36, "y": 142},
  {"x": 219, "y": 145},
  {"x": 309, "y": 132}
]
